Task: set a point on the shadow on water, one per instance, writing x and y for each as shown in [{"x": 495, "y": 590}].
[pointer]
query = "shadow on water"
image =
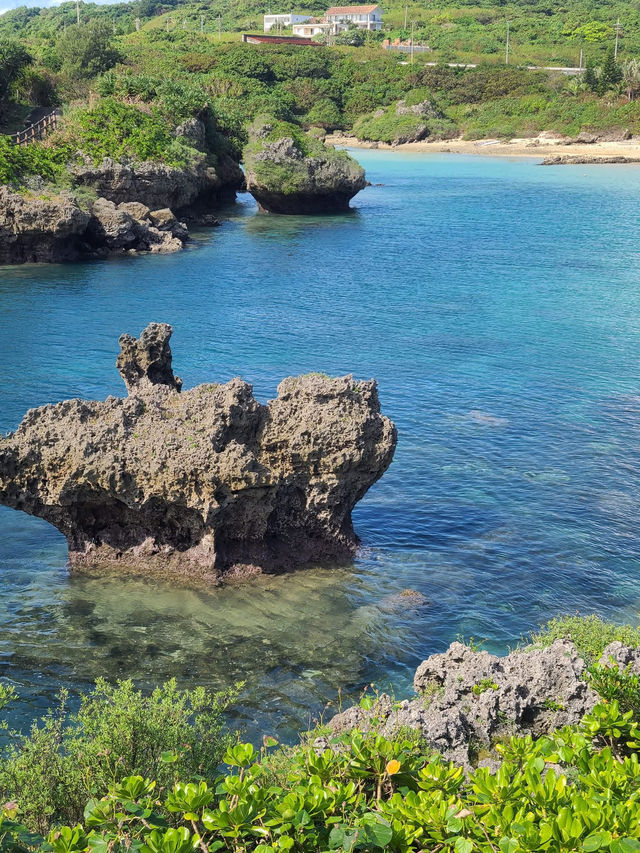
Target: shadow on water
[{"x": 293, "y": 639}]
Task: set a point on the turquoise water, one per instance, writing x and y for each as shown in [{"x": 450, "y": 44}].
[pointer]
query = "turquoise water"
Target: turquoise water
[{"x": 498, "y": 305}]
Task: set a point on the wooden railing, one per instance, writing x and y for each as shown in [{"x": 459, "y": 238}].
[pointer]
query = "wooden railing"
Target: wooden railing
[{"x": 37, "y": 130}]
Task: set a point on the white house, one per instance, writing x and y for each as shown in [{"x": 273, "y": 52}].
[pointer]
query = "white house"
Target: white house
[
  {"x": 282, "y": 21},
  {"x": 312, "y": 27},
  {"x": 365, "y": 17}
]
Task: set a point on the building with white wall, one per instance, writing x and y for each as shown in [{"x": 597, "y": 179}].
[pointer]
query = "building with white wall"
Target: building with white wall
[
  {"x": 364, "y": 17},
  {"x": 279, "y": 22}
]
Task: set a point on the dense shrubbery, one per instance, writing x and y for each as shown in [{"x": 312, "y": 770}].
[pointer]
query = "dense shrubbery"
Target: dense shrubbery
[
  {"x": 70, "y": 757},
  {"x": 114, "y": 129},
  {"x": 578, "y": 789},
  {"x": 19, "y": 163}
]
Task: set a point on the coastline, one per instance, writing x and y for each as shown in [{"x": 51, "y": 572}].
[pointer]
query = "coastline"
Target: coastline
[{"x": 525, "y": 147}]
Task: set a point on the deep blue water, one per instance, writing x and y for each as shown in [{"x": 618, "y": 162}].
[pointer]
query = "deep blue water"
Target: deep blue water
[{"x": 496, "y": 302}]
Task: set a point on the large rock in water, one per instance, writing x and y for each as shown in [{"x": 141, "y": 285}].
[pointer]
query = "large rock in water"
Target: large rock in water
[
  {"x": 205, "y": 482},
  {"x": 290, "y": 172}
]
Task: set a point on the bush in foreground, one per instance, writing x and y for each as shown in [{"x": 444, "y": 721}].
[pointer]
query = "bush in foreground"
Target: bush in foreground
[
  {"x": 577, "y": 790},
  {"x": 70, "y": 757}
]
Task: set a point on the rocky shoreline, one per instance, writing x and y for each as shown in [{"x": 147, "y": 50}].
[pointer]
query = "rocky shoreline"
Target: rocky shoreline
[
  {"x": 205, "y": 483},
  {"x": 467, "y": 700},
  {"x": 35, "y": 230},
  {"x": 113, "y": 208}
]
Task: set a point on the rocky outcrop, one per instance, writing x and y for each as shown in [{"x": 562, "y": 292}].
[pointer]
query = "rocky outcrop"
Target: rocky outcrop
[
  {"x": 288, "y": 172},
  {"x": 586, "y": 159},
  {"x": 133, "y": 227},
  {"x": 156, "y": 185},
  {"x": 204, "y": 482},
  {"x": 40, "y": 229},
  {"x": 467, "y": 698},
  {"x": 55, "y": 229}
]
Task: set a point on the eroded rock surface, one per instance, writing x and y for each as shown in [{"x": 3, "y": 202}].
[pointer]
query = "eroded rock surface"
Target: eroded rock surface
[
  {"x": 204, "y": 482},
  {"x": 289, "y": 174},
  {"x": 468, "y": 698},
  {"x": 40, "y": 229},
  {"x": 54, "y": 229},
  {"x": 157, "y": 185}
]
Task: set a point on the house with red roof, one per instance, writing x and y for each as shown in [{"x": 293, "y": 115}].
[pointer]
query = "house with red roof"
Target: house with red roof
[{"x": 363, "y": 17}]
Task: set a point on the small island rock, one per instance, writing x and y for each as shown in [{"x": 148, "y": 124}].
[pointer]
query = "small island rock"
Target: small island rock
[{"x": 288, "y": 171}]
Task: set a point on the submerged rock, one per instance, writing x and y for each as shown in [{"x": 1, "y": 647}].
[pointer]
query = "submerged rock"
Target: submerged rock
[
  {"x": 204, "y": 482},
  {"x": 290, "y": 172},
  {"x": 466, "y": 698}
]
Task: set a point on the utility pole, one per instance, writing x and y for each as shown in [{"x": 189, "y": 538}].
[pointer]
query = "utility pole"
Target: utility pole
[
  {"x": 580, "y": 66},
  {"x": 506, "y": 57},
  {"x": 406, "y": 10},
  {"x": 413, "y": 24},
  {"x": 137, "y": 22},
  {"x": 78, "y": 12},
  {"x": 617, "y": 28},
  {"x": 168, "y": 21},
  {"x": 201, "y": 23}
]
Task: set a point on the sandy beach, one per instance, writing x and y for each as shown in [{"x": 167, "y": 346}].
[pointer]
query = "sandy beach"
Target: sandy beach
[{"x": 539, "y": 147}]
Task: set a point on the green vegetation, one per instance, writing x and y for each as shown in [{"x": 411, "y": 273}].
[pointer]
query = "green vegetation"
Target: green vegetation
[
  {"x": 484, "y": 685},
  {"x": 292, "y": 175},
  {"x": 590, "y": 634},
  {"x": 175, "y": 68},
  {"x": 578, "y": 789},
  {"x": 17, "y": 164},
  {"x": 129, "y": 772},
  {"x": 68, "y": 757}
]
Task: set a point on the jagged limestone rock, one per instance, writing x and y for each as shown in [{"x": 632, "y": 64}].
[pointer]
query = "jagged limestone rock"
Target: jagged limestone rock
[
  {"x": 467, "y": 698},
  {"x": 288, "y": 171},
  {"x": 34, "y": 229},
  {"x": 205, "y": 482},
  {"x": 58, "y": 229}
]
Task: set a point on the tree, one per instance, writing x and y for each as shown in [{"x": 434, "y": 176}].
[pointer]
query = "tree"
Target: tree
[
  {"x": 14, "y": 58},
  {"x": 610, "y": 75},
  {"x": 86, "y": 50},
  {"x": 590, "y": 77},
  {"x": 631, "y": 78}
]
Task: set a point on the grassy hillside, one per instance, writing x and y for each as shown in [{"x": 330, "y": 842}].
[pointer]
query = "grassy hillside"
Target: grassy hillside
[{"x": 540, "y": 32}]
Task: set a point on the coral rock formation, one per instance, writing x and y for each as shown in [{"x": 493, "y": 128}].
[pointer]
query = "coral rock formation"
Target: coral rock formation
[
  {"x": 467, "y": 698},
  {"x": 203, "y": 482},
  {"x": 287, "y": 172},
  {"x": 57, "y": 229}
]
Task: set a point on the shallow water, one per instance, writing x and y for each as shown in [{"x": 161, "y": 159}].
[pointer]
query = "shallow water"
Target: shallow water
[{"x": 496, "y": 302}]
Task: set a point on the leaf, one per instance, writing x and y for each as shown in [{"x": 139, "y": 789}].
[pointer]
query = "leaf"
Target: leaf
[
  {"x": 625, "y": 845},
  {"x": 463, "y": 845},
  {"x": 593, "y": 842},
  {"x": 377, "y": 830},
  {"x": 508, "y": 845},
  {"x": 169, "y": 757}
]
